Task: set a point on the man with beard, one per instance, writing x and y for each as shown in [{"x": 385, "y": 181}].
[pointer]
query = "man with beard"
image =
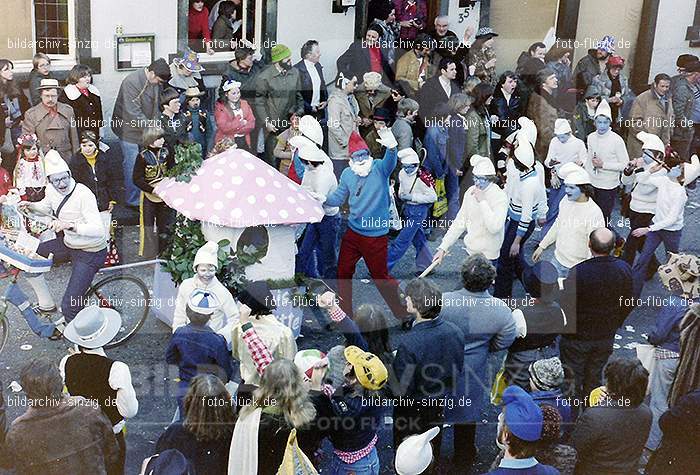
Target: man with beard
[
  {"x": 413, "y": 69},
  {"x": 365, "y": 187},
  {"x": 593, "y": 64}
]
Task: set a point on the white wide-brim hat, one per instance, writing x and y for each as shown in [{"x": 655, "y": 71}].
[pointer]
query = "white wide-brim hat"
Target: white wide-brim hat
[{"x": 93, "y": 327}]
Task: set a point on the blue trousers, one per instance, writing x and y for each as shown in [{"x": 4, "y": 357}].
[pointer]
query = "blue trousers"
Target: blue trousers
[
  {"x": 40, "y": 327},
  {"x": 671, "y": 240},
  {"x": 85, "y": 266},
  {"x": 129, "y": 153},
  {"x": 554, "y": 197},
  {"x": 452, "y": 191},
  {"x": 510, "y": 268},
  {"x": 367, "y": 465},
  {"x": 318, "y": 256},
  {"x": 411, "y": 233}
]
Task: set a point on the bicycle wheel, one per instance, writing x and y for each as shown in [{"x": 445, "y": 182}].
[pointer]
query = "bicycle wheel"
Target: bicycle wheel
[
  {"x": 126, "y": 294},
  {"x": 4, "y": 332}
]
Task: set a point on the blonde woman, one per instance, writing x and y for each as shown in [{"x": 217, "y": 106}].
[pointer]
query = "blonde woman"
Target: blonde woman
[{"x": 280, "y": 404}]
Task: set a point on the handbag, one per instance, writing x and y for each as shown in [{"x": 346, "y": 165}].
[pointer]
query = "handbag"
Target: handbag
[
  {"x": 499, "y": 385},
  {"x": 440, "y": 205},
  {"x": 8, "y": 147}
]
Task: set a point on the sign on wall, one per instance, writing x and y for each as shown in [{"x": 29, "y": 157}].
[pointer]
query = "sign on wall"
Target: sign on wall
[
  {"x": 462, "y": 14},
  {"x": 134, "y": 51}
]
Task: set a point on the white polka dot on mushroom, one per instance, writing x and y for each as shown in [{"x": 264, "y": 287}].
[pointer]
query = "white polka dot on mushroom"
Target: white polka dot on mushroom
[
  {"x": 283, "y": 213},
  {"x": 291, "y": 199},
  {"x": 249, "y": 166},
  {"x": 232, "y": 165},
  {"x": 178, "y": 201},
  {"x": 277, "y": 184},
  {"x": 300, "y": 210},
  {"x": 270, "y": 198},
  {"x": 219, "y": 172},
  {"x": 217, "y": 185},
  {"x": 260, "y": 181},
  {"x": 218, "y": 205},
  {"x": 194, "y": 188},
  {"x": 236, "y": 212},
  {"x": 251, "y": 200},
  {"x": 236, "y": 180},
  {"x": 230, "y": 194},
  {"x": 263, "y": 213},
  {"x": 301, "y": 196},
  {"x": 199, "y": 205},
  {"x": 292, "y": 186}
]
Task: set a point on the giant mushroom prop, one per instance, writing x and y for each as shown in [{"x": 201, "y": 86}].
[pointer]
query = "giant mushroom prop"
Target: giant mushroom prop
[{"x": 238, "y": 197}]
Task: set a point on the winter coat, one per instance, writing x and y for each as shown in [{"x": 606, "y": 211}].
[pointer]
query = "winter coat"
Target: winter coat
[
  {"x": 603, "y": 84},
  {"x": 403, "y": 132},
  {"x": 369, "y": 103},
  {"x": 488, "y": 326},
  {"x": 87, "y": 109},
  {"x": 541, "y": 110},
  {"x": 586, "y": 69},
  {"x": 683, "y": 102},
  {"x": 421, "y": 15},
  {"x": 199, "y": 127},
  {"x": 57, "y": 132},
  {"x": 432, "y": 94},
  {"x": 206, "y": 457},
  {"x": 436, "y": 148},
  {"x": 307, "y": 90},
  {"x": 408, "y": 72},
  {"x": 478, "y": 59},
  {"x": 355, "y": 62},
  {"x": 72, "y": 436},
  {"x": 341, "y": 123},
  {"x": 137, "y": 105},
  {"x": 457, "y": 142},
  {"x": 229, "y": 124},
  {"x": 248, "y": 79},
  {"x": 478, "y": 134},
  {"x": 105, "y": 180},
  {"x": 508, "y": 113},
  {"x": 582, "y": 123},
  {"x": 222, "y": 33},
  {"x": 648, "y": 115},
  {"x": 278, "y": 96}
]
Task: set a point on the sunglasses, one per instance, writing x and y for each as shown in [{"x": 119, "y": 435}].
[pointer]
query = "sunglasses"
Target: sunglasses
[{"x": 306, "y": 162}]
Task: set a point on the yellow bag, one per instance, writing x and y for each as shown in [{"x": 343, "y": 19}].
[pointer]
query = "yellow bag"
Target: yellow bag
[
  {"x": 295, "y": 462},
  {"x": 499, "y": 385},
  {"x": 440, "y": 206}
]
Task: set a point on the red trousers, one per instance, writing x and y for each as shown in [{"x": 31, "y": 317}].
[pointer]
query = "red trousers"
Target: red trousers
[{"x": 355, "y": 246}]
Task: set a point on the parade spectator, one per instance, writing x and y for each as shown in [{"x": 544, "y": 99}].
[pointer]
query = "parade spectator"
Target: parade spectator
[
  {"x": 546, "y": 379},
  {"x": 605, "y": 282},
  {"x": 478, "y": 140},
  {"x": 371, "y": 95},
  {"x": 285, "y": 153},
  {"x": 234, "y": 117},
  {"x": 686, "y": 109},
  {"x": 197, "y": 349},
  {"x": 558, "y": 59},
  {"x": 413, "y": 69},
  {"x": 281, "y": 403},
  {"x": 90, "y": 373},
  {"x": 596, "y": 438},
  {"x": 450, "y": 46},
  {"x": 226, "y": 30},
  {"x": 402, "y": 127},
  {"x": 14, "y": 105},
  {"x": 412, "y": 15},
  {"x": 343, "y": 120},
  {"x": 552, "y": 451},
  {"x": 29, "y": 176},
  {"x": 578, "y": 217},
  {"x": 367, "y": 54},
  {"x": 185, "y": 73},
  {"x": 224, "y": 316},
  {"x": 482, "y": 214},
  {"x": 483, "y": 56},
  {"x": 53, "y": 122},
  {"x": 277, "y": 97},
  {"x": 198, "y": 120},
  {"x": 652, "y": 112},
  {"x": 198, "y": 30},
  {"x": 593, "y": 63},
  {"x": 57, "y": 434},
  {"x": 41, "y": 69},
  {"x": 529, "y": 64},
  {"x": 432, "y": 370},
  {"x": 417, "y": 191},
  {"x": 614, "y": 88},
  {"x": 519, "y": 430},
  {"x": 584, "y": 114},
  {"x": 607, "y": 157},
  {"x": 507, "y": 107},
  {"x": 84, "y": 98},
  {"x": 313, "y": 84},
  {"x": 365, "y": 187},
  {"x": 438, "y": 90},
  {"x": 542, "y": 109},
  {"x": 136, "y": 108},
  {"x": 204, "y": 434},
  {"x": 435, "y": 142},
  {"x": 488, "y": 326},
  {"x": 539, "y": 321},
  {"x": 385, "y": 19},
  {"x": 244, "y": 68}
]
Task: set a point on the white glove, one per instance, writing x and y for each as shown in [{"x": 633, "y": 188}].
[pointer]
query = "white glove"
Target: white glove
[{"x": 386, "y": 138}]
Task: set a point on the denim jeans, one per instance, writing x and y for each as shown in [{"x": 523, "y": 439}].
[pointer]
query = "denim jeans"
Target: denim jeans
[
  {"x": 562, "y": 270},
  {"x": 411, "y": 233},
  {"x": 660, "y": 384},
  {"x": 452, "y": 191},
  {"x": 367, "y": 465},
  {"x": 40, "y": 327},
  {"x": 671, "y": 240},
  {"x": 317, "y": 255},
  {"x": 605, "y": 199},
  {"x": 554, "y": 197},
  {"x": 129, "y": 153},
  {"x": 510, "y": 268},
  {"x": 84, "y": 267}
]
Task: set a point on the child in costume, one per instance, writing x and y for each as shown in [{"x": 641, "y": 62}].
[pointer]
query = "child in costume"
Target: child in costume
[
  {"x": 225, "y": 316},
  {"x": 29, "y": 174},
  {"x": 198, "y": 120}
]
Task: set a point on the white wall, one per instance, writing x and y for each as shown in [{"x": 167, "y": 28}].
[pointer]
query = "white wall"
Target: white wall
[
  {"x": 301, "y": 20},
  {"x": 674, "y": 18},
  {"x": 137, "y": 16}
]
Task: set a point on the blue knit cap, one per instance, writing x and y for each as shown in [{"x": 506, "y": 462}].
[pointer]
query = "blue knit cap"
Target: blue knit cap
[{"x": 523, "y": 417}]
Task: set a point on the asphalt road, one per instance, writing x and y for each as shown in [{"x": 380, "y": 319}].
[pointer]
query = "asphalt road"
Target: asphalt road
[{"x": 153, "y": 379}]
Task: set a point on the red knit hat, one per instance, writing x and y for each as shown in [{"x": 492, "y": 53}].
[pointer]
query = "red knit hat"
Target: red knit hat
[
  {"x": 616, "y": 61},
  {"x": 356, "y": 143}
]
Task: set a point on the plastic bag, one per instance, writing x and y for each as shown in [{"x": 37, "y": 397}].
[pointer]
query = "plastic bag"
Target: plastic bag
[
  {"x": 295, "y": 462},
  {"x": 499, "y": 385},
  {"x": 440, "y": 206}
]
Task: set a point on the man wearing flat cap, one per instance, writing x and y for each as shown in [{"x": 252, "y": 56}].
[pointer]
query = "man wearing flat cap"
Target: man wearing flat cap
[{"x": 686, "y": 109}]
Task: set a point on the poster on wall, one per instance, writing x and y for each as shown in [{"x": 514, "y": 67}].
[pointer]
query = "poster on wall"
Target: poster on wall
[{"x": 462, "y": 14}]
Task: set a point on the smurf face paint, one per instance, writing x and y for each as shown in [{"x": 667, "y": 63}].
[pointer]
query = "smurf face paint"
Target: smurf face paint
[
  {"x": 563, "y": 138},
  {"x": 410, "y": 169},
  {"x": 481, "y": 182},
  {"x": 573, "y": 192},
  {"x": 602, "y": 124}
]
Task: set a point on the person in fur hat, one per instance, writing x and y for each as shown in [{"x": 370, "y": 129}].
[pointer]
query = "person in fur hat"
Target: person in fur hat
[
  {"x": 205, "y": 265},
  {"x": 364, "y": 185},
  {"x": 417, "y": 190},
  {"x": 578, "y": 217}
]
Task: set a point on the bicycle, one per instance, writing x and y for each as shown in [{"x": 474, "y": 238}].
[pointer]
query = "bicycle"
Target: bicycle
[{"x": 124, "y": 293}]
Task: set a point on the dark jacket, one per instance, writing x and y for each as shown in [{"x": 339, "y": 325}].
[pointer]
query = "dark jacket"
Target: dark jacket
[
  {"x": 104, "y": 181},
  {"x": 545, "y": 321},
  {"x": 277, "y": 96},
  {"x": 246, "y": 78},
  {"x": 597, "y": 298},
  {"x": 599, "y": 441},
  {"x": 666, "y": 333},
  {"x": 137, "y": 104},
  {"x": 307, "y": 90},
  {"x": 176, "y": 130},
  {"x": 683, "y": 102},
  {"x": 34, "y": 82},
  {"x": 432, "y": 94},
  {"x": 87, "y": 109},
  {"x": 508, "y": 113},
  {"x": 71, "y": 437},
  {"x": 199, "y": 350},
  {"x": 586, "y": 69},
  {"x": 431, "y": 367},
  {"x": 272, "y": 441},
  {"x": 582, "y": 123},
  {"x": 436, "y": 150},
  {"x": 222, "y": 32},
  {"x": 356, "y": 62},
  {"x": 678, "y": 452},
  {"x": 207, "y": 457},
  {"x": 149, "y": 169},
  {"x": 557, "y": 400}
]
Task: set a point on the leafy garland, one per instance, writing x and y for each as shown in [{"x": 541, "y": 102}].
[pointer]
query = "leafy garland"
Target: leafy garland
[{"x": 188, "y": 159}]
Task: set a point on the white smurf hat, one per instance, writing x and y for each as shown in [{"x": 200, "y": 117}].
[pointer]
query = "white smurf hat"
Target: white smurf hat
[
  {"x": 53, "y": 163},
  {"x": 574, "y": 174},
  {"x": 561, "y": 127},
  {"x": 207, "y": 254},
  {"x": 482, "y": 166},
  {"x": 414, "y": 454},
  {"x": 408, "y": 156},
  {"x": 651, "y": 142}
]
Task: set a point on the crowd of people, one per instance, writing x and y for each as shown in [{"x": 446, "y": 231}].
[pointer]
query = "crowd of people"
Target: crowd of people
[{"x": 416, "y": 140}]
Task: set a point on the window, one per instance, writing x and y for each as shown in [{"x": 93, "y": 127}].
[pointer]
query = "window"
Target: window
[{"x": 253, "y": 241}]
